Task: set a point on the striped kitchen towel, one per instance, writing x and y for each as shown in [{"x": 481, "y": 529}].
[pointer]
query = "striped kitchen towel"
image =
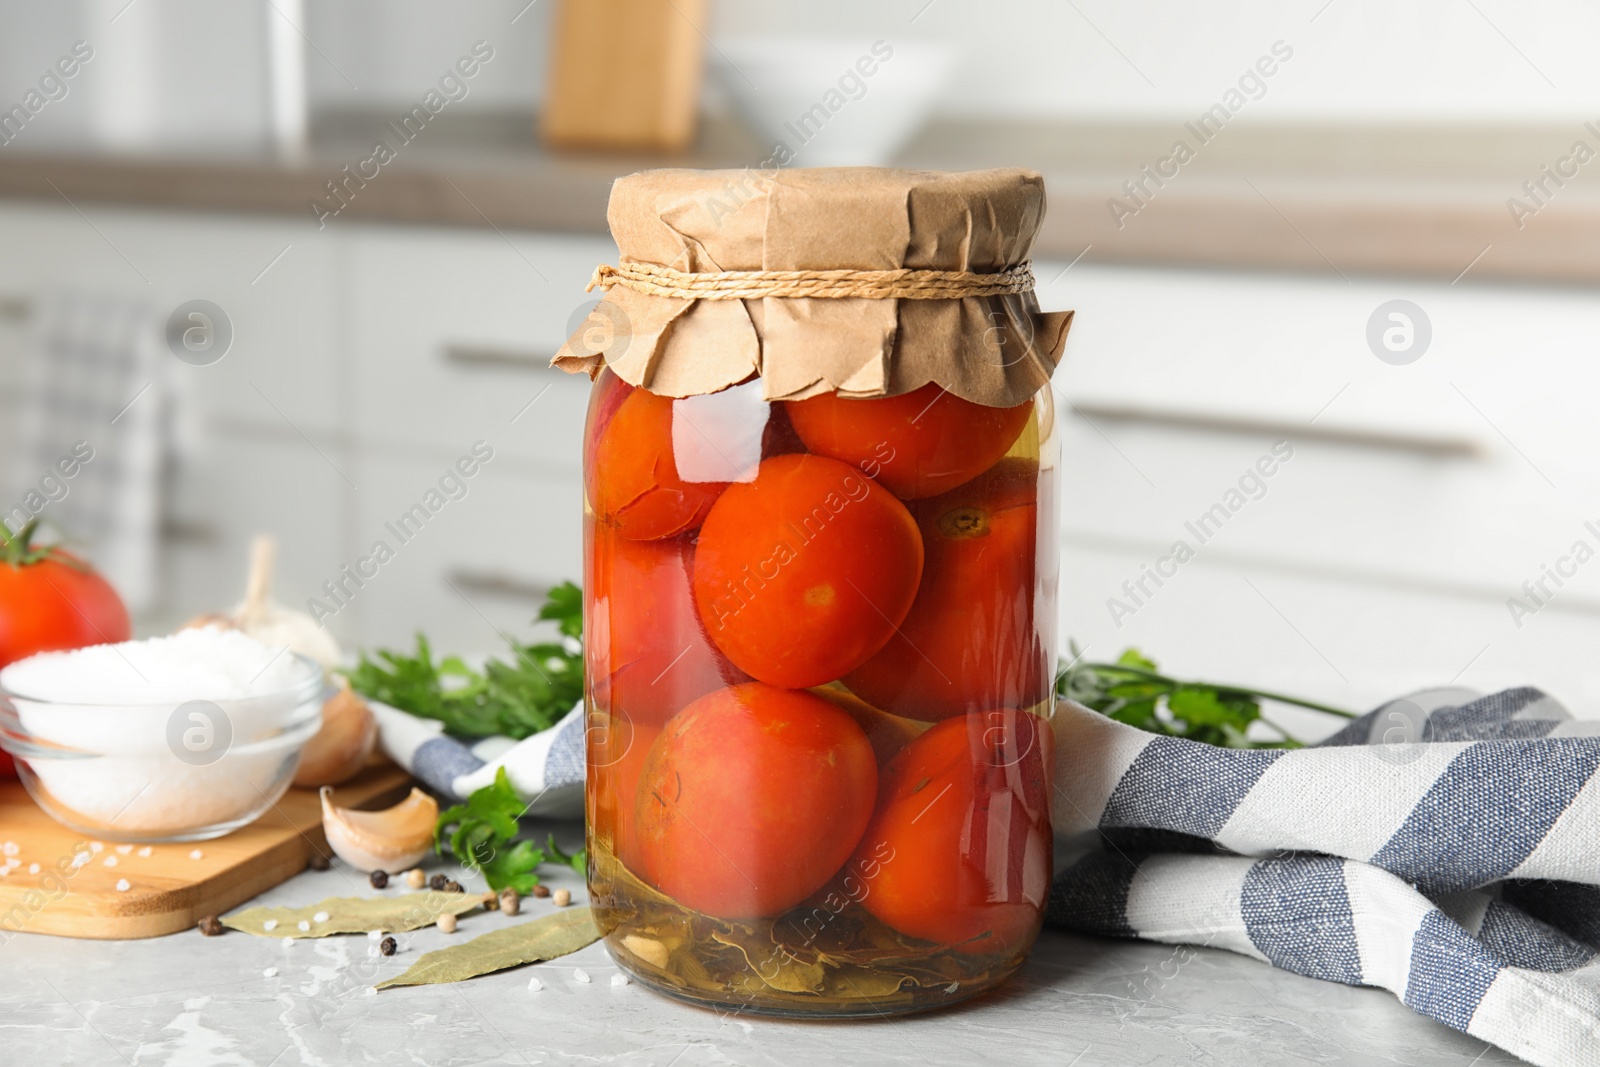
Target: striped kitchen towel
[
  {"x": 546, "y": 769},
  {"x": 1445, "y": 847}
]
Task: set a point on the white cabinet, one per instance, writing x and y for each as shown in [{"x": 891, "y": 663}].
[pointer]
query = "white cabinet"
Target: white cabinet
[
  {"x": 1418, "y": 499},
  {"x": 476, "y": 567},
  {"x": 453, "y": 333}
]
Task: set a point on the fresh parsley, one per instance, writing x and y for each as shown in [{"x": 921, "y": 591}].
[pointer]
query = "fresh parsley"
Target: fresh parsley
[
  {"x": 482, "y": 836},
  {"x": 531, "y": 692},
  {"x": 1133, "y": 691}
]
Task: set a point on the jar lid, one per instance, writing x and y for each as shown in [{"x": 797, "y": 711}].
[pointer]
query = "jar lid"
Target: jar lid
[{"x": 858, "y": 280}]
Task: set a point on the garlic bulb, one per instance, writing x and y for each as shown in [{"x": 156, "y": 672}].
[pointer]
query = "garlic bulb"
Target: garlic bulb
[
  {"x": 389, "y": 840},
  {"x": 341, "y": 747},
  {"x": 271, "y": 622}
]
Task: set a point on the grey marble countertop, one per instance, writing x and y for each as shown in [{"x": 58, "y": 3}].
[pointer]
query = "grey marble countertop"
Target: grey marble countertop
[{"x": 1079, "y": 1002}]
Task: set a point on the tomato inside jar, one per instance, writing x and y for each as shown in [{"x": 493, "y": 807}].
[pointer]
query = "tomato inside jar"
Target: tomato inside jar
[
  {"x": 819, "y": 746},
  {"x": 820, "y": 588}
]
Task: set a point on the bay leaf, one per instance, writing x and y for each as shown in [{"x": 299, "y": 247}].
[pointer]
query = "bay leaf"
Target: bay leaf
[
  {"x": 554, "y": 935},
  {"x": 354, "y": 915},
  {"x": 788, "y": 975}
]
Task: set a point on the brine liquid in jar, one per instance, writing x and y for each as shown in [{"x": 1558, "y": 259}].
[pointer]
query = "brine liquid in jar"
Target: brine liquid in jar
[{"x": 820, "y": 639}]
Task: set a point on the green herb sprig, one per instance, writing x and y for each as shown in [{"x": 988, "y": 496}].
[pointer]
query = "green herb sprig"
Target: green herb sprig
[
  {"x": 530, "y": 693},
  {"x": 482, "y": 837},
  {"x": 1133, "y": 691}
]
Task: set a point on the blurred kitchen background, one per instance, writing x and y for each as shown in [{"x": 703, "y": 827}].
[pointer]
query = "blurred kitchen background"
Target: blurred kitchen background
[{"x": 256, "y": 321}]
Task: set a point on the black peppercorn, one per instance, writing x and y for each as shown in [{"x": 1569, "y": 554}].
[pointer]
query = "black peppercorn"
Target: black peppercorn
[
  {"x": 210, "y": 927},
  {"x": 453, "y": 886},
  {"x": 319, "y": 862},
  {"x": 437, "y": 881},
  {"x": 379, "y": 879},
  {"x": 541, "y": 890},
  {"x": 386, "y": 946}
]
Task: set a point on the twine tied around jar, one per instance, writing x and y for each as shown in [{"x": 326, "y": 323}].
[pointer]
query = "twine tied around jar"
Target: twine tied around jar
[{"x": 901, "y": 284}]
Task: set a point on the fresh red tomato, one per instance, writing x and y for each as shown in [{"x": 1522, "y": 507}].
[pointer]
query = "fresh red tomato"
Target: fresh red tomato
[
  {"x": 618, "y": 751},
  {"x": 633, "y": 479},
  {"x": 918, "y": 444},
  {"x": 969, "y": 641},
  {"x": 52, "y": 601},
  {"x": 752, "y": 798},
  {"x": 959, "y": 850},
  {"x": 648, "y": 654},
  {"x": 804, "y": 572}
]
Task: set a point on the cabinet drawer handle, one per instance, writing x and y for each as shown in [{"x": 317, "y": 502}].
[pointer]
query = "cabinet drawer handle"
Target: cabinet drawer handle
[
  {"x": 491, "y": 583},
  {"x": 486, "y": 356},
  {"x": 1442, "y": 445}
]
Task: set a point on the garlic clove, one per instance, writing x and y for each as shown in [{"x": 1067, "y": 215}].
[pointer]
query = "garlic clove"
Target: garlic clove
[
  {"x": 388, "y": 840},
  {"x": 338, "y": 751}
]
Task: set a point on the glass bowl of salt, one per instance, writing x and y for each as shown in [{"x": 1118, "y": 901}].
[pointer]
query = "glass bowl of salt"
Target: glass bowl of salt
[{"x": 179, "y": 738}]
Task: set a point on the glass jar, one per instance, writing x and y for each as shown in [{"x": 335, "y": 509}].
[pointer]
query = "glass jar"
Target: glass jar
[{"x": 821, "y": 637}]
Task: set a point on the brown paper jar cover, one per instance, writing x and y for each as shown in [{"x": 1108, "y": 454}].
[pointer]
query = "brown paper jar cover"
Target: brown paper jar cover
[{"x": 992, "y": 350}]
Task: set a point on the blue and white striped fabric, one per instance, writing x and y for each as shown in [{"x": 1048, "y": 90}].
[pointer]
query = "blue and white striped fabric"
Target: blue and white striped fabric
[
  {"x": 1445, "y": 847},
  {"x": 546, "y": 769}
]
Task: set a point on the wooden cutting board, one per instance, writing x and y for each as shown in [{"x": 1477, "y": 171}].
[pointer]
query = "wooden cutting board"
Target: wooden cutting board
[{"x": 169, "y": 889}]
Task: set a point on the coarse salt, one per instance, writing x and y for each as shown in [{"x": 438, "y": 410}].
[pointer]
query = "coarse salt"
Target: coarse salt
[
  {"x": 618, "y": 981},
  {"x": 10, "y": 848},
  {"x": 97, "y": 847},
  {"x": 195, "y": 854},
  {"x": 370, "y": 991},
  {"x": 534, "y": 985},
  {"x": 303, "y": 925},
  {"x": 123, "y": 850},
  {"x": 145, "y": 851},
  {"x": 128, "y": 706},
  {"x": 33, "y": 868},
  {"x": 81, "y": 859},
  {"x": 320, "y": 917},
  {"x": 288, "y": 942},
  {"x": 270, "y": 925},
  {"x": 111, "y": 861},
  {"x": 122, "y": 885},
  {"x": 581, "y": 975},
  {"x": 374, "y": 935},
  {"x": 270, "y": 972},
  {"x": 204, "y": 663}
]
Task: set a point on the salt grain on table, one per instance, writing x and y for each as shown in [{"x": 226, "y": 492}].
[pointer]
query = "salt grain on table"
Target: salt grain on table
[
  {"x": 10, "y": 848},
  {"x": 534, "y": 985},
  {"x": 320, "y": 917},
  {"x": 123, "y": 850},
  {"x": 374, "y": 935},
  {"x": 111, "y": 861},
  {"x": 270, "y": 925},
  {"x": 304, "y": 925},
  {"x": 33, "y": 868},
  {"x": 288, "y": 942},
  {"x": 581, "y": 975},
  {"x": 370, "y": 991},
  {"x": 145, "y": 851},
  {"x": 270, "y": 972},
  {"x": 195, "y": 854},
  {"x": 97, "y": 846},
  {"x": 122, "y": 885},
  {"x": 618, "y": 981}
]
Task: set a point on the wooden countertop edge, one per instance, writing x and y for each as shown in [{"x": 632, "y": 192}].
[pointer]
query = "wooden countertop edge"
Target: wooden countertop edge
[{"x": 1416, "y": 228}]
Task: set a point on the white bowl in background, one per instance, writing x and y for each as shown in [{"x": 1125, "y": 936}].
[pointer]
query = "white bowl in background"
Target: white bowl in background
[{"x": 864, "y": 119}]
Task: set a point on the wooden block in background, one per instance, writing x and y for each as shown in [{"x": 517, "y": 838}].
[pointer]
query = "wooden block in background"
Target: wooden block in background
[{"x": 624, "y": 74}]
